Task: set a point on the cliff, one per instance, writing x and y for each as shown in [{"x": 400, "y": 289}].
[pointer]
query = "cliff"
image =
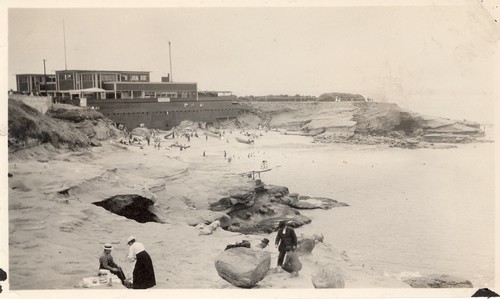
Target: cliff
[
  {"x": 348, "y": 121},
  {"x": 61, "y": 127}
]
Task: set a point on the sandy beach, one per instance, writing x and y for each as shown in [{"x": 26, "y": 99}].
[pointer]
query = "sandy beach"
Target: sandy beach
[{"x": 60, "y": 236}]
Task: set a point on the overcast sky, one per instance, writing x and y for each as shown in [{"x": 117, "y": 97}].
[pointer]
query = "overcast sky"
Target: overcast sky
[{"x": 437, "y": 60}]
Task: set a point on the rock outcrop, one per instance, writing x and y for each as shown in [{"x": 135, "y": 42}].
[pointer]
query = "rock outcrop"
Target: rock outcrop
[
  {"x": 243, "y": 267},
  {"x": 328, "y": 277},
  {"x": 259, "y": 210},
  {"x": 363, "y": 122},
  {"x": 438, "y": 281}
]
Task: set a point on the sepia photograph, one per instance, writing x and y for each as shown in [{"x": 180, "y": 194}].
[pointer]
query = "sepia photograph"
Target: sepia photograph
[{"x": 272, "y": 149}]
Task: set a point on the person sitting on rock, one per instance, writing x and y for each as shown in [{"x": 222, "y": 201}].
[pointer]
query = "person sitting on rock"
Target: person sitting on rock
[
  {"x": 292, "y": 263},
  {"x": 106, "y": 262}
]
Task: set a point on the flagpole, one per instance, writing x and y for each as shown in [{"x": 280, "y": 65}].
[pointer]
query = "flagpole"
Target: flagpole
[{"x": 170, "y": 57}]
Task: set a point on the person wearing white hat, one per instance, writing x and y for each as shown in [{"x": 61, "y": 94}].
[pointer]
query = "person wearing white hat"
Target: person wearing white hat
[
  {"x": 106, "y": 262},
  {"x": 143, "y": 276}
]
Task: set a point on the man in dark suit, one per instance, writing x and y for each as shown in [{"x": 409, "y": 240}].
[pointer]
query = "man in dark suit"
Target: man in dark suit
[{"x": 285, "y": 237}]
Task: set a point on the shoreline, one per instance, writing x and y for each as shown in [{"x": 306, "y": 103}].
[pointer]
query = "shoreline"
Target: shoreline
[{"x": 190, "y": 174}]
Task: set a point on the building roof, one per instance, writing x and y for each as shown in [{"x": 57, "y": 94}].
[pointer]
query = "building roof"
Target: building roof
[
  {"x": 152, "y": 83},
  {"x": 102, "y": 71},
  {"x": 35, "y": 74}
]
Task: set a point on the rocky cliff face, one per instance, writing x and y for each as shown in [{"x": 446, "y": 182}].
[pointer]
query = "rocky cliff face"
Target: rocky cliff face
[
  {"x": 61, "y": 127},
  {"x": 361, "y": 122}
]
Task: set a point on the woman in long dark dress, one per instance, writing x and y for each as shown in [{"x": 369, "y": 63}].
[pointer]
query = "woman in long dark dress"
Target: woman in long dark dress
[{"x": 144, "y": 274}]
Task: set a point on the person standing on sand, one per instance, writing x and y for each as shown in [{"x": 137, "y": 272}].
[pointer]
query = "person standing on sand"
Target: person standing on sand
[
  {"x": 106, "y": 262},
  {"x": 286, "y": 237},
  {"x": 292, "y": 263},
  {"x": 143, "y": 274}
]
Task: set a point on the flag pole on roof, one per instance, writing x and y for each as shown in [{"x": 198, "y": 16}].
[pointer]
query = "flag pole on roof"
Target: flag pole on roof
[
  {"x": 170, "y": 57},
  {"x": 64, "y": 38}
]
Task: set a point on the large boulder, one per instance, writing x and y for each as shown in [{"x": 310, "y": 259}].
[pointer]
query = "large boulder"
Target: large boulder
[
  {"x": 305, "y": 246},
  {"x": 243, "y": 267},
  {"x": 438, "y": 281},
  {"x": 276, "y": 191},
  {"x": 328, "y": 277}
]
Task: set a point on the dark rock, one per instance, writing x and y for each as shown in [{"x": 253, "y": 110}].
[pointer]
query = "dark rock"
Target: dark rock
[
  {"x": 276, "y": 191},
  {"x": 259, "y": 186},
  {"x": 243, "y": 267},
  {"x": 94, "y": 142},
  {"x": 328, "y": 277},
  {"x": 485, "y": 292},
  {"x": 285, "y": 199},
  {"x": 260, "y": 212},
  {"x": 229, "y": 202},
  {"x": 438, "y": 281}
]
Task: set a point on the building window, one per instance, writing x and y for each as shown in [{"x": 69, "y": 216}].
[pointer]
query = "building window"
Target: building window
[
  {"x": 124, "y": 77},
  {"x": 126, "y": 94},
  {"x": 87, "y": 77},
  {"x": 134, "y": 78},
  {"x": 65, "y": 76},
  {"x": 108, "y": 77},
  {"x": 149, "y": 94},
  {"x": 144, "y": 77}
]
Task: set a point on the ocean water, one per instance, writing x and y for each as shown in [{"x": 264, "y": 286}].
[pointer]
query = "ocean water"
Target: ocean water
[{"x": 420, "y": 211}]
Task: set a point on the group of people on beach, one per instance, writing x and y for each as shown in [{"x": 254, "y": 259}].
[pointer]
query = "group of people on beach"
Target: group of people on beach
[{"x": 143, "y": 275}]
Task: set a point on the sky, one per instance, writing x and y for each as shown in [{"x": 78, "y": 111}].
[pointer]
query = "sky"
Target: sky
[{"x": 434, "y": 59}]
